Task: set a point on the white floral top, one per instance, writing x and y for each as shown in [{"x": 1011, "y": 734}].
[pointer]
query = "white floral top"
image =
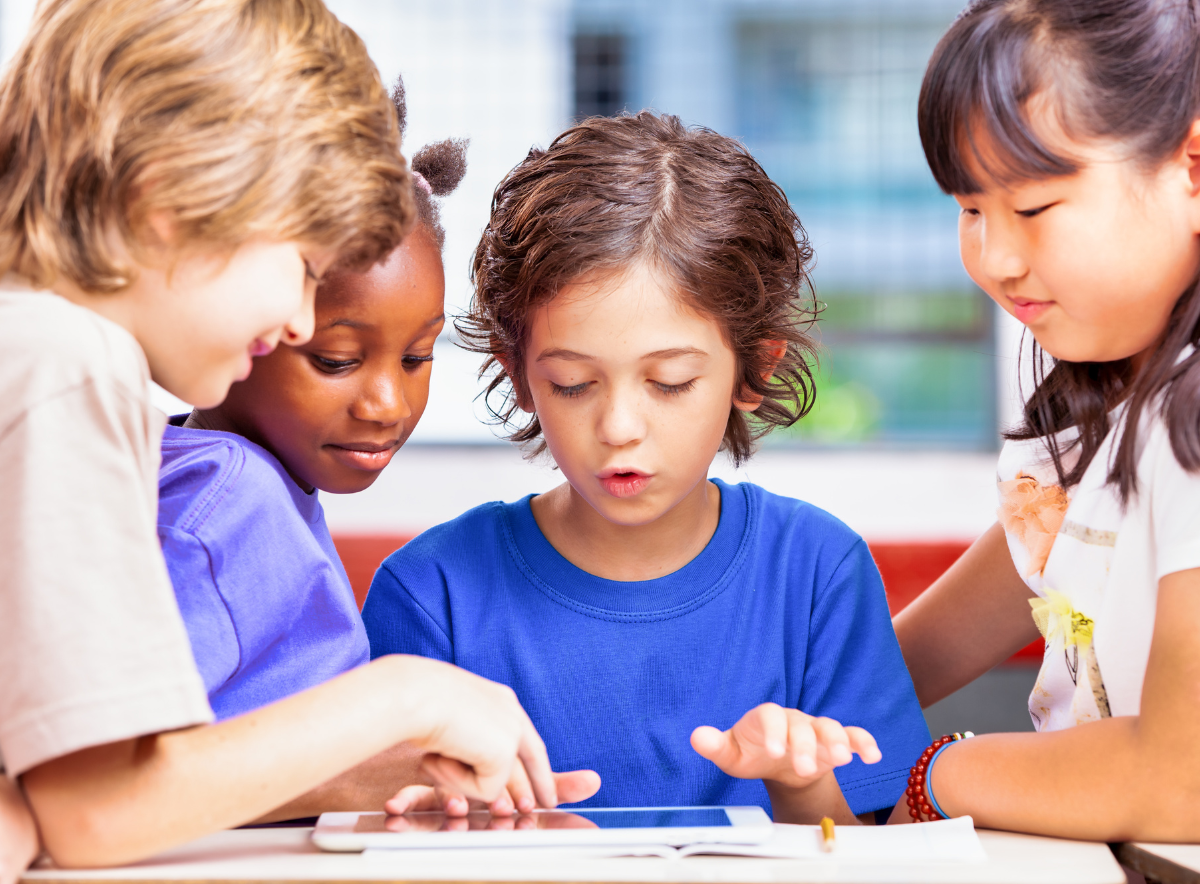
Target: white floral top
[{"x": 1095, "y": 568}]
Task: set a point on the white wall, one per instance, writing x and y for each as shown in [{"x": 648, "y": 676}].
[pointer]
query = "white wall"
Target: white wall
[{"x": 496, "y": 73}]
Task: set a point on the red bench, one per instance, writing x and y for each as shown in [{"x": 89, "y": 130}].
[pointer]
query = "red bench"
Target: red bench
[{"x": 907, "y": 569}]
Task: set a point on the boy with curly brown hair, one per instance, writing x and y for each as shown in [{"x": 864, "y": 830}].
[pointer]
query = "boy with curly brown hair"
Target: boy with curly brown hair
[{"x": 642, "y": 295}]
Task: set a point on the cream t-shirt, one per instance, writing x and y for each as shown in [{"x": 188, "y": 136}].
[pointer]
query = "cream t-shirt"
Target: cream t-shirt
[
  {"x": 1096, "y": 567},
  {"x": 92, "y": 646}
]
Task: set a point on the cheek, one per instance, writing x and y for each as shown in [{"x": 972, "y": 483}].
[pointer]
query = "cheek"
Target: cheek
[{"x": 969, "y": 246}]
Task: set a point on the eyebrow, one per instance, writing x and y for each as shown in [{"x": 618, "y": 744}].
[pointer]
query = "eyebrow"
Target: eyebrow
[{"x": 575, "y": 356}]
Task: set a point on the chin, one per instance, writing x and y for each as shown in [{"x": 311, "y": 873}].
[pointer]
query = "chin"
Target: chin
[
  {"x": 342, "y": 484},
  {"x": 629, "y": 512}
]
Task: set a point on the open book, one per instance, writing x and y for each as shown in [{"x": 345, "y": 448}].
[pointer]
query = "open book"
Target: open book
[{"x": 952, "y": 841}]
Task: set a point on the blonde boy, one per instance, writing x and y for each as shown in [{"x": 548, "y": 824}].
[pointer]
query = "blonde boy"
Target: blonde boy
[{"x": 175, "y": 176}]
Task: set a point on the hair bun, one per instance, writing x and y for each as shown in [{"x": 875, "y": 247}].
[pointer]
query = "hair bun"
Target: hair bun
[{"x": 443, "y": 164}]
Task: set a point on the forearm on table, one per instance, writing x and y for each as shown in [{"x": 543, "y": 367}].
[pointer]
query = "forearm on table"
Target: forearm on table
[
  {"x": 115, "y": 803},
  {"x": 18, "y": 833},
  {"x": 364, "y": 787},
  {"x": 806, "y": 806},
  {"x": 1101, "y": 781},
  {"x": 972, "y": 618}
]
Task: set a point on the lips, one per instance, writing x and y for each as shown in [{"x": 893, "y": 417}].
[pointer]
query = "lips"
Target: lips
[
  {"x": 370, "y": 456},
  {"x": 260, "y": 347},
  {"x": 623, "y": 481},
  {"x": 1028, "y": 311}
]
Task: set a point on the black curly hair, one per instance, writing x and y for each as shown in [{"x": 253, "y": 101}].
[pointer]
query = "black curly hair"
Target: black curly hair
[{"x": 442, "y": 164}]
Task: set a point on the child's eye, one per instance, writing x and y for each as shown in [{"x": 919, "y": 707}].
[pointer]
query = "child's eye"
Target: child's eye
[
  {"x": 331, "y": 366},
  {"x": 966, "y": 211},
  {"x": 568, "y": 392},
  {"x": 674, "y": 389},
  {"x": 415, "y": 361},
  {"x": 1033, "y": 213}
]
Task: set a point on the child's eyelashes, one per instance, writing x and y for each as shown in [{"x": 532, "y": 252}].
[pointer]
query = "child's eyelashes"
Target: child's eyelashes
[
  {"x": 416, "y": 361},
  {"x": 1034, "y": 212},
  {"x": 332, "y": 366},
  {"x": 568, "y": 392},
  {"x": 674, "y": 389}
]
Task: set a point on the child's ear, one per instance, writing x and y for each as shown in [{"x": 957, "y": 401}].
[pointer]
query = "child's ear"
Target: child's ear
[
  {"x": 775, "y": 351},
  {"x": 520, "y": 389},
  {"x": 1190, "y": 158}
]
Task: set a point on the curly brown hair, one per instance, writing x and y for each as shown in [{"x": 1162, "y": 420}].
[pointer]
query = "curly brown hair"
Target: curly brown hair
[{"x": 615, "y": 191}]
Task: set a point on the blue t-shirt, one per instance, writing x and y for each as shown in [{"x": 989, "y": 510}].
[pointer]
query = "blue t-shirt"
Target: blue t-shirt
[
  {"x": 784, "y": 604},
  {"x": 267, "y": 604}
]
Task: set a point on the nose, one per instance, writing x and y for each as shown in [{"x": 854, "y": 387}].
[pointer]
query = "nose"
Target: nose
[
  {"x": 299, "y": 329},
  {"x": 382, "y": 400},
  {"x": 621, "y": 421},
  {"x": 1000, "y": 258}
]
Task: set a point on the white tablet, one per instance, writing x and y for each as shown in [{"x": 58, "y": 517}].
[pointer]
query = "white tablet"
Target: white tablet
[{"x": 672, "y": 826}]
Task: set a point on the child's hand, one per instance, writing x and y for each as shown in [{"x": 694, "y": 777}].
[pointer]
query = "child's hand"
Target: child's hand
[
  {"x": 572, "y": 786},
  {"x": 784, "y": 745}
]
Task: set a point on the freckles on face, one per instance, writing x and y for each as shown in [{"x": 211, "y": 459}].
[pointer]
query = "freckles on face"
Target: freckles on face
[
  {"x": 336, "y": 409},
  {"x": 633, "y": 391}
]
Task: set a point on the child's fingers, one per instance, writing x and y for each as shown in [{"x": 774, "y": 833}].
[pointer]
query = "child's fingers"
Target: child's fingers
[
  {"x": 576, "y": 785},
  {"x": 832, "y": 741},
  {"x": 414, "y": 799},
  {"x": 536, "y": 763},
  {"x": 802, "y": 744},
  {"x": 717, "y": 746},
  {"x": 864, "y": 744},
  {"x": 773, "y": 729},
  {"x": 519, "y": 794},
  {"x": 454, "y": 776}
]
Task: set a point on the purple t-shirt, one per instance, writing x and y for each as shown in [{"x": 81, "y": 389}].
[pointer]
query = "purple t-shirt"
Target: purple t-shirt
[{"x": 267, "y": 603}]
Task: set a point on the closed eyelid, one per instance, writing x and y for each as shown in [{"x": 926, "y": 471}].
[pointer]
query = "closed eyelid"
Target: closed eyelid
[{"x": 1035, "y": 211}]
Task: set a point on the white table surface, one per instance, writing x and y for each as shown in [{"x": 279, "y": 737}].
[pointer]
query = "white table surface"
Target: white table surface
[{"x": 288, "y": 855}]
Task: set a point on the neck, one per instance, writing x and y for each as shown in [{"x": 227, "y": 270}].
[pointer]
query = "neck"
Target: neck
[
  {"x": 628, "y": 552},
  {"x": 118, "y": 307}
]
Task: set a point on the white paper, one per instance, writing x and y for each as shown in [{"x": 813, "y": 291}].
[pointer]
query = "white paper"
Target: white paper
[{"x": 952, "y": 841}]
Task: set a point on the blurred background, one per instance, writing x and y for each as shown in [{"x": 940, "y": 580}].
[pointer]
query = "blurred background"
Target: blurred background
[{"x": 918, "y": 372}]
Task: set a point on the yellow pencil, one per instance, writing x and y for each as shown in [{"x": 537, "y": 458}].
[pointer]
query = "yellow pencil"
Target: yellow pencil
[{"x": 826, "y": 834}]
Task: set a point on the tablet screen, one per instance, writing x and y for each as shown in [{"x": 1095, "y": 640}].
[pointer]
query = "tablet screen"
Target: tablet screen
[
  {"x": 670, "y": 818},
  {"x": 666, "y": 818}
]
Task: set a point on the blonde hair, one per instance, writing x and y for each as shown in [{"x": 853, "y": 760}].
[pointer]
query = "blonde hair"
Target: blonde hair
[{"x": 238, "y": 119}]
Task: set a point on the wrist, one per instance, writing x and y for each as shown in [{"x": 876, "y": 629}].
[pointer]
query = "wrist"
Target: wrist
[{"x": 921, "y": 805}]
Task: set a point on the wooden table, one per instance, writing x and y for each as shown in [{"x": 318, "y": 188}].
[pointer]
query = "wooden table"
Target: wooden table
[
  {"x": 1168, "y": 863},
  {"x": 253, "y": 855}
]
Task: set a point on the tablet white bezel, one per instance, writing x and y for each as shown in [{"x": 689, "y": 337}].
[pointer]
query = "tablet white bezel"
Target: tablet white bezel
[{"x": 748, "y": 825}]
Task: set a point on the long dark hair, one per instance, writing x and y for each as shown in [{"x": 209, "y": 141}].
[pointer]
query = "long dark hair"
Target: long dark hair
[{"x": 1121, "y": 70}]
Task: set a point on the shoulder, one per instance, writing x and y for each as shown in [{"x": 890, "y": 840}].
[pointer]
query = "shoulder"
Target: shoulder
[
  {"x": 204, "y": 471},
  {"x": 463, "y": 543},
  {"x": 52, "y": 345},
  {"x": 778, "y": 519}
]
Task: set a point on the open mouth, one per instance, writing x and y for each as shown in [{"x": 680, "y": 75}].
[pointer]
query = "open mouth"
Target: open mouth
[{"x": 623, "y": 483}]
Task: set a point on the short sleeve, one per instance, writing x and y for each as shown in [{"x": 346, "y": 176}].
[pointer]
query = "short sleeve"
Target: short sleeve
[
  {"x": 1174, "y": 495},
  {"x": 855, "y": 674},
  {"x": 92, "y": 647},
  {"x": 398, "y": 624},
  {"x": 210, "y": 627}
]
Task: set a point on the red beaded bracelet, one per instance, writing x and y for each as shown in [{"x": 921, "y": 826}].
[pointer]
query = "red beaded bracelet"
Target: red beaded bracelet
[{"x": 919, "y": 803}]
